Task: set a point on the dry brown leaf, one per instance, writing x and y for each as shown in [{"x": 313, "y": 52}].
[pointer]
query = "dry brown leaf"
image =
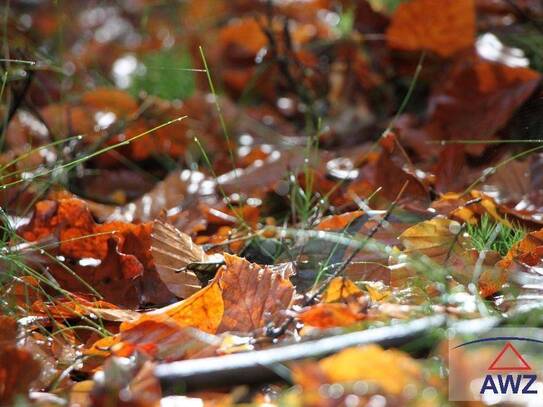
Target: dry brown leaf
[
  {"x": 253, "y": 296},
  {"x": 172, "y": 251}
]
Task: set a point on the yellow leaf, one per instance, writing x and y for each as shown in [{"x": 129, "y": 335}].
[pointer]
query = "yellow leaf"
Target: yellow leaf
[
  {"x": 392, "y": 370},
  {"x": 203, "y": 310},
  {"x": 340, "y": 289},
  {"x": 437, "y": 233},
  {"x": 378, "y": 292}
]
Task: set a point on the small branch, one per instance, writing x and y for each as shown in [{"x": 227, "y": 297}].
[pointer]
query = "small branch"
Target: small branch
[{"x": 261, "y": 366}]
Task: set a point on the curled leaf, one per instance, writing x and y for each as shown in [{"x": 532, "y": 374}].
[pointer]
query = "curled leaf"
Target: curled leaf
[{"x": 173, "y": 251}]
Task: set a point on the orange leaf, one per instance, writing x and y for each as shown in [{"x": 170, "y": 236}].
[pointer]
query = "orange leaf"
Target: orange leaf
[
  {"x": 528, "y": 251},
  {"x": 242, "y": 297},
  {"x": 18, "y": 370},
  {"x": 80, "y": 237},
  {"x": 203, "y": 310},
  {"x": 392, "y": 370},
  {"x": 337, "y": 222},
  {"x": 111, "y": 99},
  {"x": 245, "y": 35},
  {"x": 106, "y": 256},
  {"x": 330, "y": 316},
  {"x": 164, "y": 341},
  {"x": 442, "y": 26}
]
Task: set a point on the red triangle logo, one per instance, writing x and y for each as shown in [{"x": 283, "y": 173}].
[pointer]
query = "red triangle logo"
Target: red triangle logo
[{"x": 495, "y": 365}]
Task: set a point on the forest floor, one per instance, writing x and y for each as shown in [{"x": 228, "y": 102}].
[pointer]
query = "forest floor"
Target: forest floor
[{"x": 284, "y": 202}]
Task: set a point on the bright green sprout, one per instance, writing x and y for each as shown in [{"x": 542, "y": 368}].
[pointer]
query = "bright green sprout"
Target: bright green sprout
[{"x": 491, "y": 235}]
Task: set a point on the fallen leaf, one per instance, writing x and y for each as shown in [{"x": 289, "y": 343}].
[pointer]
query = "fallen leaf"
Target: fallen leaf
[
  {"x": 77, "y": 307},
  {"x": 18, "y": 370},
  {"x": 242, "y": 297},
  {"x": 244, "y": 37},
  {"x": 173, "y": 251},
  {"x": 110, "y": 99},
  {"x": 341, "y": 289},
  {"x": 391, "y": 370},
  {"x": 437, "y": 236},
  {"x": 338, "y": 222},
  {"x": 330, "y": 315},
  {"x": 392, "y": 176},
  {"x": 163, "y": 341},
  {"x": 473, "y": 101},
  {"x": 202, "y": 310},
  {"x": 254, "y": 296},
  {"x": 114, "y": 258},
  {"x": 528, "y": 251},
  {"x": 442, "y": 241},
  {"x": 441, "y": 26}
]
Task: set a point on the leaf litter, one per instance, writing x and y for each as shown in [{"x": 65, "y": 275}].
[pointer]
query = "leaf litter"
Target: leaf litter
[{"x": 218, "y": 183}]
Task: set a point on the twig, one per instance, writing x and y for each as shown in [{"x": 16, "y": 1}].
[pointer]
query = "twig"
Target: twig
[{"x": 261, "y": 366}]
